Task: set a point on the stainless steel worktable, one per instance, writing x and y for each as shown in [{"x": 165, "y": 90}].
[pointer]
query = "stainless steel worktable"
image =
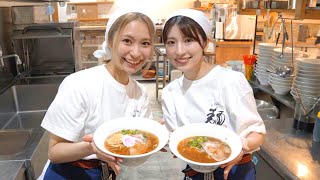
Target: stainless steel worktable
[
  {"x": 10, "y": 169},
  {"x": 291, "y": 153}
]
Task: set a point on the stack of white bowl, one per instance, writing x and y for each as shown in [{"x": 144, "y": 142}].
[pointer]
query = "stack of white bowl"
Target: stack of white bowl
[
  {"x": 282, "y": 85},
  {"x": 264, "y": 60},
  {"x": 287, "y": 56},
  {"x": 307, "y": 81}
]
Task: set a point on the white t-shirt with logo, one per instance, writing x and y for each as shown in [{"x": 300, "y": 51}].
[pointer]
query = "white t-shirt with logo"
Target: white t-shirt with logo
[
  {"x": 90, "y": 97},
  {"x": 223, "y": 97}
]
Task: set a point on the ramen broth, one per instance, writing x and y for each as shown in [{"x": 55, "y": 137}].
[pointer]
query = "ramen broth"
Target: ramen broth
[
  {"x": 131, "y": 142},
  {"x": 204, "y": 149}
]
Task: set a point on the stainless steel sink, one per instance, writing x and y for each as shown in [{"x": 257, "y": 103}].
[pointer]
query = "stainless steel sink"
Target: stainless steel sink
[
  {"x": 22, "y": 108},
  {"x": 13, "y": 141}
]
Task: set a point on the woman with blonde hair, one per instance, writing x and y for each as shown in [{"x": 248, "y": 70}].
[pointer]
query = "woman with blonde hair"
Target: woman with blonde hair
[{"x": 90, "y": 97}]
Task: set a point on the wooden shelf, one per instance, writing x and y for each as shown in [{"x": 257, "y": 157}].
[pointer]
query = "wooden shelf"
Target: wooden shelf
[
  {"x": 264, "y": 11},
  {"x": 88, "y": 3},
  {"x": 302, "y": 10},
  {"x": 312, "y": 14},
  {"x": 202, "y": 9},
  {"x": 89, "y": 19},
  {"x": 91, "y": 28}
]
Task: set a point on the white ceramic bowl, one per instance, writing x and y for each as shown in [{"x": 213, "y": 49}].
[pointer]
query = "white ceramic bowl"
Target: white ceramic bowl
[
  {"x": 307, "y": 88},
  {"x": 307, "y": 80},
  {"x": 280, "y": 83},
  {"x": 262, "y": 66},
  {"x": 306, "y": 100},
  {"x": 307, "y": 92},
  {"x": 308, "y": 84},
  {"x": 280, "y": 89},
  {"x": 311, "y": 63},
  {"x": 307, "y": 75},
  {"x": 236, "y": 65},
  {"x": 263, "y": 80},
  {"x": 283, "y": 81},
  {"x": 263, "y": 72},
  {"x": 270, "y": 46},
  {"x": 110, "y": 127},
  {"x": 205, "y": 129},
  {"x": 279, "y": 78}
]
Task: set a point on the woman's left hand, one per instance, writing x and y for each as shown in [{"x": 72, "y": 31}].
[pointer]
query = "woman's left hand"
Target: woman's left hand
[{"x": 228, "y": 166}]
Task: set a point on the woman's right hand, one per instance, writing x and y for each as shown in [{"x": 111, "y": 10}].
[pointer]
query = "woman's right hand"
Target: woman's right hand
[{"x": 111, "y": 160}]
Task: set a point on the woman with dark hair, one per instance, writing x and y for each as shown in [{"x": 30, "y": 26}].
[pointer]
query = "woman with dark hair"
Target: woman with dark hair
[{"x": 208, "y": 93}]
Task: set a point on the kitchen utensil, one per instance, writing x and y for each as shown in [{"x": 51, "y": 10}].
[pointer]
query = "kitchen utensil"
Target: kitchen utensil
[
  {"x": 282, "y": 71},
  {"x": 315, "y": 104},
  {"x": 285, "y": 71},
  {"x": 282, "y": 28},
  {"x": 300, "y": 101},
  {"x": 267, "y": 110},
  {"x": 303, "y": 122},
  {"x": 270, "y": 34}
]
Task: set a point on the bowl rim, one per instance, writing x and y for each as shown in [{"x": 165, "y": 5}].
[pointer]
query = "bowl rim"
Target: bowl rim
[
  {"x": 194, "y": 125},
  {"x": 142, "y": 121}
]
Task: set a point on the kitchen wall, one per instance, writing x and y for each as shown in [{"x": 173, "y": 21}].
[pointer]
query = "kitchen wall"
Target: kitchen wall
[
  {"x": 157, "y": 9},
  {"x": 8, "y": 71}
]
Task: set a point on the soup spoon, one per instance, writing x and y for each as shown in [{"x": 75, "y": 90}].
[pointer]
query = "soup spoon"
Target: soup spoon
[
  {"x": 282, "y": 71},
  {"x": 285, "y": 71}
]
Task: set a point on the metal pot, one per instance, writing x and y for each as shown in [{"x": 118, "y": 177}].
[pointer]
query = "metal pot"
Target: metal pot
[{"x": 267, "y": 110}]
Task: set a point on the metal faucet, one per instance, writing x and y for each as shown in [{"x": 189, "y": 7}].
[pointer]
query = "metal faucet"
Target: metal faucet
[{"x": 17, "y": 58}]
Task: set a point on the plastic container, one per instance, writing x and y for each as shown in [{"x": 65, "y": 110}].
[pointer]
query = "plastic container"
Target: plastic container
[
  {"x": 316, "y": 129},
  {"x": 236, "y": 65},
  {"x": 249, "y": 61}
]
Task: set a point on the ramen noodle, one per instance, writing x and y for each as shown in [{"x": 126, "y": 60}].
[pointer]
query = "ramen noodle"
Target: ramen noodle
[
  {"x": 131, "y": 142},
  {"x": 204, "y": 149}
]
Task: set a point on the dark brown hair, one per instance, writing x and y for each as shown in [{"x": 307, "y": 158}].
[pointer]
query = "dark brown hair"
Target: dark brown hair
[{"x": 188, "y": 27}]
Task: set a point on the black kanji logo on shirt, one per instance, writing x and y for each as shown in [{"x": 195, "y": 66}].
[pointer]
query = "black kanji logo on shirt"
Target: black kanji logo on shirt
[{"x": 216, "y": 116}]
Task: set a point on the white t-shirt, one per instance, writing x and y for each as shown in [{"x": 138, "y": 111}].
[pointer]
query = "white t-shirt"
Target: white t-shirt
[
  {"x": 223, "y": 97},
  {"x": 90, "y": 97}
]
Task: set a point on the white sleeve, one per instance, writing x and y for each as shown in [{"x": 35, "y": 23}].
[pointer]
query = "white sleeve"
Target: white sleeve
[
  {"x": 168, "y": 109},
  {"x": 242, "y": 107},
  {"x": 67, "y": 113}
]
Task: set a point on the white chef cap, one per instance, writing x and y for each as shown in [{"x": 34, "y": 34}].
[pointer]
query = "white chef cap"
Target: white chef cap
[
  {"x": 198, "y": 16},
  {"x": 106, "y": 51}
]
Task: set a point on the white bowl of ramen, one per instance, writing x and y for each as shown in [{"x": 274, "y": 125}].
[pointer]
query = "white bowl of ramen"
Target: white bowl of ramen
[
  {"x": 133, "y": 139},
  {"x": 221, "y": 146}
]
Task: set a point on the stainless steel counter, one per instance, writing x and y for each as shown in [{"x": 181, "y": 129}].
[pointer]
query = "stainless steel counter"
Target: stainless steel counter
[
  {"x": 31, "y": 97},
  {"x": 10, "y": 169},
  {"x": 291, "y": 153}
]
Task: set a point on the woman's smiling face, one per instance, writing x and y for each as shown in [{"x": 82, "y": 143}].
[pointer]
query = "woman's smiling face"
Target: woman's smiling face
[
  {"x": 184, "y": 53},
  {"x": 134, "y": 47}
]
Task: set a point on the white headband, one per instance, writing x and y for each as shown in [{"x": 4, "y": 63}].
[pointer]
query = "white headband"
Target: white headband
[
  {"x": 198, "y": 16},
  {"x": 106, "y": 51}
]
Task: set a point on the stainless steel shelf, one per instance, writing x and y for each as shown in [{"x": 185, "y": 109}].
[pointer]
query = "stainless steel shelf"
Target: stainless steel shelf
[{"x": 284, "y": 99}]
